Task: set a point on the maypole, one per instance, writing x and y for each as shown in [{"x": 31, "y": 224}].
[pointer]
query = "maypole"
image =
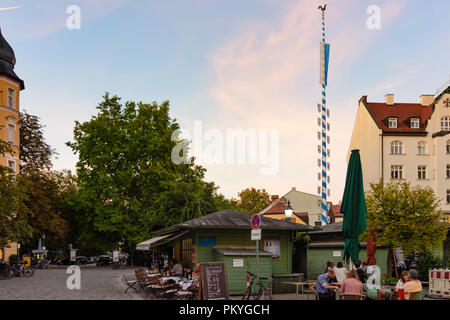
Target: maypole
[{"x": 325, "y": 179}]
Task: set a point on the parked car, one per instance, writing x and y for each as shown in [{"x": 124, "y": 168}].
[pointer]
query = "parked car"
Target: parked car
[
  {"x": 93, "y": 259},
  {"x": 62, "y": 262},
  {"x": 81, "y": 260},
  {"x": 103, "y": 260}
]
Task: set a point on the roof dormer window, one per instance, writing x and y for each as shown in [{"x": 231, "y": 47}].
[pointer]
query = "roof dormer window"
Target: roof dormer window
[
  {"x": 415, "y": 123},
  {"x": 392, "y": 123}
]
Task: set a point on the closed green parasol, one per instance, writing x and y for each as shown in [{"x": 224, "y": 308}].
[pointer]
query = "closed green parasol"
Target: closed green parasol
[{"x": 354, "y": 208}]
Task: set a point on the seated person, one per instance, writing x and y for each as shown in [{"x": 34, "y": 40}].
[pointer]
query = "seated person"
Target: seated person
[
  {"x": 324, "y": 288},
  {"x": 187, "y": 272},
  {"x": 196, "y": 272},
  {"x": 351, "y": 284},
  {"x": 413, "y": 284},
  {"x": 177, "y": 269},
  {"x": 403, "y": 279},
  {"x": 361, "y": 274}
]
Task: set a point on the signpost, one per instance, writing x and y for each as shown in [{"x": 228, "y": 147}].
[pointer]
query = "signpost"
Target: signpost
[{"x": 255, "y": 222}]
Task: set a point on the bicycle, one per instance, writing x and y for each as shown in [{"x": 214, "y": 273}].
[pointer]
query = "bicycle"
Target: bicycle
[{"x": 262, "y": 293}]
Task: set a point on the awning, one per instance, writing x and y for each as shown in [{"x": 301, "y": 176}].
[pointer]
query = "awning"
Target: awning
[{"x": 156, "y": 241}]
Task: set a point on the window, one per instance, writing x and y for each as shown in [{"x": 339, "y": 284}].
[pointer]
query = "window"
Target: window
[
  {"x": 11, "y": 131},
  {"x": 396, "y": 172},
  {"x": 319, "y": 203},
  {"x": 422, "y": 147},
  {"x": 415, "y": 123},
  {"x": 392, "y": 123},
  {"x": 319, "y": 149},
  {"x": 448, "y": 196},
  {"x": 447, "y": 146},
  {"x": 447, "y": 172},
  {"x": 445, "y": 123},
  {"x": 318, "y": 135},
  {"x": 318, "y": 190},
  {"x": 319, "y": 122},
  {"x": 328, "y": 139},
  {"x": 186, "y": 251},
  {"x": 396, "y": 147},
  {"x": 421, "y": 172},
  {"x": 11, "y": 93},
  {"x": 328, "y": 126},
  {"x": 328, "y": 152}
]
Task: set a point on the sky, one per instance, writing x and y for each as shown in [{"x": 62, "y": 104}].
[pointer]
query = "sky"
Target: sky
[{"x": 231, "y": 64}]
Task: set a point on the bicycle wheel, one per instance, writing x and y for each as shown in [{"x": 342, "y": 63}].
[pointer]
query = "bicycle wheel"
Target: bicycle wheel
[{"x": 28, "y": 272}]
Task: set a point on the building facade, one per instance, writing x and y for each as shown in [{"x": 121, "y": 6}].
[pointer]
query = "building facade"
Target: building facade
[
  {"x": 10, "y": 87},
  {"x": 307, "y": 207},
  {"x": 406, "y": 141}
]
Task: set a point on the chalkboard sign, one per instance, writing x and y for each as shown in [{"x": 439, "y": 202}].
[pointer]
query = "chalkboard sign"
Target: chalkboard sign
[{"x": 214, "y": 282}]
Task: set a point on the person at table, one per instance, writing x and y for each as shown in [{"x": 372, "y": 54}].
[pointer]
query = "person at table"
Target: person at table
[
  {"x": 413, "y": 284},
  {"x": 324, "y": 288},
  {"x": 187, "y": 272},
  {"x": 330, "y": 265},
  {"x": 196, "y": 272},
  {"x": 403, "y": 279},
  {"x": 351, "y": 284},
  {"x": 177, "y": 269},
  {"x": 341, "y": 272},
  {"x": 361, "y": 274}
]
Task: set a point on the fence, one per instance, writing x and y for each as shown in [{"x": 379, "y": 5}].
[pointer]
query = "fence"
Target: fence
[{"x": 440, "y": 282}]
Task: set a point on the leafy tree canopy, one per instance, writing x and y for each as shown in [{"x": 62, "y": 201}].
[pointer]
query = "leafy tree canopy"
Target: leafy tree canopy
[
  {"x": 128, "y": 183},
  {"x": 406, "y": 216}
]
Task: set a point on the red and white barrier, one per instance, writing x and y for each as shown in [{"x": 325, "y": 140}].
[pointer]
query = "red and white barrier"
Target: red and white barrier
[{"x": 439, "y": 280}]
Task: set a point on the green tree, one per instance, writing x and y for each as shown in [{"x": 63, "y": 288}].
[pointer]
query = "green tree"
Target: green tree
[
  {"x": 252, "y": 200},
  {"x": 405, "y": 216},
  {"x": 13, "y": 211},
  {"x": 35, "y": 153},
  {"x": 128, "y": 183}
]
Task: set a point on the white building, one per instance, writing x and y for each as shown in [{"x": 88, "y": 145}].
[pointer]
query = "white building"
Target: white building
[{"x": 409, "y": 141}]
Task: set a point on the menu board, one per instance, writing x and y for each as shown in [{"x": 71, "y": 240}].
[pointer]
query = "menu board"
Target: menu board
[{"x": 214, "y": 284}]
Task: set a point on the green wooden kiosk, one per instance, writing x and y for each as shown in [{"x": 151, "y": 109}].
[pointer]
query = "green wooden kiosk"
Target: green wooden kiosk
[{"x": 224, "y": 236}]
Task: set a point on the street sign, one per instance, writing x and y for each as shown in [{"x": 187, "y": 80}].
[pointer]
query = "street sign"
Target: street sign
[
  {"x": 255, "y": 221},
  {"x": 256, "y": 234}
]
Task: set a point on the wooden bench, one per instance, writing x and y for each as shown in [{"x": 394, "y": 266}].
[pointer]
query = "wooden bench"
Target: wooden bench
[{"x": 131, "y": 283}]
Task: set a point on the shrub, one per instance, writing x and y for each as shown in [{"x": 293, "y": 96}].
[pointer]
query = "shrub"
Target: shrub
[{"x": 427, "y": 262}]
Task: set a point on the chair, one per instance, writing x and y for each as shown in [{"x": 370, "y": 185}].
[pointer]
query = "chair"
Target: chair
[
  {"x": 311, "y": 288},
  {"x": 131, "y": 283},
  {"x": 352, "y": 297},
  {"x": 414, "y": 295}
]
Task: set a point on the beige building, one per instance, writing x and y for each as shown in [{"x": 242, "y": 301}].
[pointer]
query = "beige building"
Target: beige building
[
  {"x": 408, "y": 141},
  {"x": 307, "y": 207},
  {"x": 10, "y": 87}
]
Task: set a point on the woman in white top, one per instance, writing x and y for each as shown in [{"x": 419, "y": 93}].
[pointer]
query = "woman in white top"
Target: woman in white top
[
  {"x": 341, "y": 272},
  {"x": 403, "y": 279}
]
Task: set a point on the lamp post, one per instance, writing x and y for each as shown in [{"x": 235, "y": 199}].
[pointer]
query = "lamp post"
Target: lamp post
[{"x": 288, "y": 212}]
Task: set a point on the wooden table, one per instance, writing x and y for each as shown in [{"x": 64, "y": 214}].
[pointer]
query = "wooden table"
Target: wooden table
[{"x": 297, "y": 284}]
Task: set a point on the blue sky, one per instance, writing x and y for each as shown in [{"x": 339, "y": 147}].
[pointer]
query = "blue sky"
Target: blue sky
[{"x": 229, "y": 64}]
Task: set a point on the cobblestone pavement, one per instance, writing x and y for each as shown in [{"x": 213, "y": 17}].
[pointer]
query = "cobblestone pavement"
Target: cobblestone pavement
[{"x": 102, "y": 283}]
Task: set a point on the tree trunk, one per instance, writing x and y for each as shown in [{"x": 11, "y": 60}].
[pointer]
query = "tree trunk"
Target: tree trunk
[{"x": 395, "y": 263}]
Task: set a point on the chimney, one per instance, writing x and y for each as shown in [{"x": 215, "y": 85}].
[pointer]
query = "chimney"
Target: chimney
[
  {"x": 389, "y": 99},
  {"x": 426, "y": 99},
  {"x": 274, "y": 197},
  {"x": 293, "y": 189}
]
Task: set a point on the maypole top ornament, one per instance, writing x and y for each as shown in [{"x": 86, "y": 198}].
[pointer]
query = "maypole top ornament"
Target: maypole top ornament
[{"x": 323, "y": 9}]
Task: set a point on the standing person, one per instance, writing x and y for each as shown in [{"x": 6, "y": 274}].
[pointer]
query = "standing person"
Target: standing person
[
  {"x": 361, "y": 274},
  {"x": 341, "y": 272},
  {"x": 351, "y": 284},
  {"x": 324, "y": 288}
]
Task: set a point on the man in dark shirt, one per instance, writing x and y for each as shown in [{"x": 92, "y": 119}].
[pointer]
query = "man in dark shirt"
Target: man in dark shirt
[{"x": 361, "y": 274}]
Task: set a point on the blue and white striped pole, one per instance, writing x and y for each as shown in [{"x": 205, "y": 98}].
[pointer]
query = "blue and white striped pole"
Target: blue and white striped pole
[{"x": 323, "y": 81}]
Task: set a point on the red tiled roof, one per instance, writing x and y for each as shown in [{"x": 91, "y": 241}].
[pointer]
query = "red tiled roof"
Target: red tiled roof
[
  {"x": 334, "y": 210},
  {"x": 403, "y": 111},
  {"x": 276, "y": 208}
]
